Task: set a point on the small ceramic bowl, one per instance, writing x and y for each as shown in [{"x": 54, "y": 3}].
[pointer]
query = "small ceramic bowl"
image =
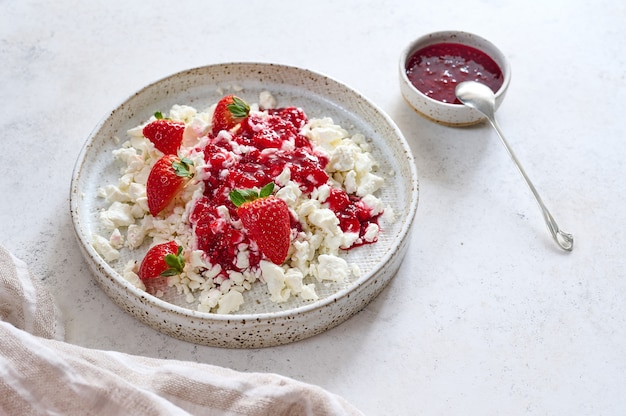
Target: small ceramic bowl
[{"x": 444, "y": 112}]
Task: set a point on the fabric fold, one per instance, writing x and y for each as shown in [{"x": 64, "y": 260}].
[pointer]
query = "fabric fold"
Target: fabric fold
[{"x": 40, "y": 374}]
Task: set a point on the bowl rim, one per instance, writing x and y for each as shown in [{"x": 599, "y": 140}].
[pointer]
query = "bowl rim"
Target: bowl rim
[
  {"x": 168, "y": 307},
  {"x": 433, "y": 38}
]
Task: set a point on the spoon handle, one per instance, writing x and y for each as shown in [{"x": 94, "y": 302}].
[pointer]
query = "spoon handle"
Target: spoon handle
[{"x": 564, "y": 240}]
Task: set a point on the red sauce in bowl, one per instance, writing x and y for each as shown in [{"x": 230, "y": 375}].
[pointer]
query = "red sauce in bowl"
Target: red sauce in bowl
[{"x": 436, "y": 70}]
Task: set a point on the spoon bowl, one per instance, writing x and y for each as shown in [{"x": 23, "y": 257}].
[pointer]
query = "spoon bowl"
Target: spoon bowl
[
  {"x": 477, "y": 96},
  {"x": 481, "y": 98}
]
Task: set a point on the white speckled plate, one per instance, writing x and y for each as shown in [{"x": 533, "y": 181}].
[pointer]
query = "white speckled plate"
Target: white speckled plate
[{"x": 260, "y": 323}]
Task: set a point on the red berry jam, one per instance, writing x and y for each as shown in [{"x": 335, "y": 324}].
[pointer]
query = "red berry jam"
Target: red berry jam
[
  {"x": 353, "y": 215},
  {"x": 436, "y": 70},
  {"x": 252, "y": 156}
]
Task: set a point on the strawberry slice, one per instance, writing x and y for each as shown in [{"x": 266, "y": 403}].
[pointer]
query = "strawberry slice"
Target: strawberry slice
[
  {"x": 229, "y": 112},
  {"x": 164, "y": 259},
  {"x": 266, "y": 219},
  {"x": 166, "y": 134},
  {"x": 168, "y": 177}
]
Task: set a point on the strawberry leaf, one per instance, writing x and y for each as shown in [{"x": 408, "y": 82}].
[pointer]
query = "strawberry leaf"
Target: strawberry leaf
[
  {"x": 238, "y": 108},
  {"x": 158, "y": 115},
  {"x": 241, "y": 196},
  {"x": 176, "y": 263},
  {"x": 182, "y": 168},
  {"x": 267, "y": 190}
]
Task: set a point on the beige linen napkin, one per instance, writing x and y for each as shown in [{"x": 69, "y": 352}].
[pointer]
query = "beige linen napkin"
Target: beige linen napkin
[{"x": 42, "y": 375}]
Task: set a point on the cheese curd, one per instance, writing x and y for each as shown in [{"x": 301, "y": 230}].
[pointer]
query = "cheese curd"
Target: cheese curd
[{"x": 314, "y": 256}]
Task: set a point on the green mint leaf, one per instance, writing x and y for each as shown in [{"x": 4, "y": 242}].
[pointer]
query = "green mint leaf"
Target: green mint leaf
[
  {"x": 236, "y": 198},
  {"x": 182, "y": 168},
  {"x": 241, "y": 196},
  {"x": 267, "y": 190},
  {"x": 176, "y": 263},
  {"x": 170, "y": 272},
  {"x": 238, "y": 108}
]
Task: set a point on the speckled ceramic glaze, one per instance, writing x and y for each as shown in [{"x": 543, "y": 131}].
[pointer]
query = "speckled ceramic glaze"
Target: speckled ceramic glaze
[
  {"x": 446, "y": 113},
  {"x": 260, "y": 323}
]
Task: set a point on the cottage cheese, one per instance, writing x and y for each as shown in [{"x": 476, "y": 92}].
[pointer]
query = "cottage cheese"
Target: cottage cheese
[{"x": 314, "y": 255}]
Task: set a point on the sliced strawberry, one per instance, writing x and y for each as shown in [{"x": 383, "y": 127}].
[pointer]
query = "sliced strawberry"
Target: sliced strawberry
[
  {"x": 229, "y": 111},
  {"x": 266, "y": 219},
  {"x": 162, "y": 260},
  {"x": 167, "y": 135},
  {"x": 168, "y": 177}
]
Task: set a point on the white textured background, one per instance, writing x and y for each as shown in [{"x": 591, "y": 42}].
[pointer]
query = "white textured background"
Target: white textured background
[{"x": 486, "y": 315}]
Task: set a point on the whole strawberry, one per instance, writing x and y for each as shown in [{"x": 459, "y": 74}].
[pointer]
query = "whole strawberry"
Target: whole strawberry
[
  {"x": 168, "y": 177},
  {"x": 167, "y": 135},
  {"x": 164, "y": 259},
  {"x": 229, "y": 111},
  {"x": 266, "y": 219}
]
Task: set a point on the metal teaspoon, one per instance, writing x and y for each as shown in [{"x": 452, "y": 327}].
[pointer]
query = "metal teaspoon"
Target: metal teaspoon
[{"x": 480, "y": 97}]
